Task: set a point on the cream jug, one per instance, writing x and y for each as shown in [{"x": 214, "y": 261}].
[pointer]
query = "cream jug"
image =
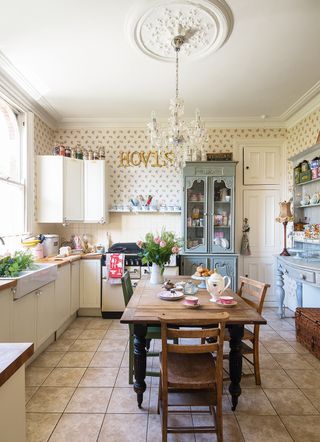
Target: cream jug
[{"x": 216, "y": 284}]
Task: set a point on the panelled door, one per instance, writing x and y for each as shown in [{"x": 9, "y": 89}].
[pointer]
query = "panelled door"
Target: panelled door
[{"x": 261, "y": 165}]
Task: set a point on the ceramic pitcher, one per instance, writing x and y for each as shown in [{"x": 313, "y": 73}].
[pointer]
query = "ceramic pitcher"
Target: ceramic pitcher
[{"x": 216, "y": 284}]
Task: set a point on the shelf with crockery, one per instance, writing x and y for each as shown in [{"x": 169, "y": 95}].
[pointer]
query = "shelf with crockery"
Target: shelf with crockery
[{"x": 146, "y": 209}]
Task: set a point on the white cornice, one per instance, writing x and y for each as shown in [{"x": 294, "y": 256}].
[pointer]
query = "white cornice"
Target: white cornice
[{"x": 309, "y": 107}]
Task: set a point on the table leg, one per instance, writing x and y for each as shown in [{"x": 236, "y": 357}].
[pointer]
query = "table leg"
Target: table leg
[
  {"x": 235, "y": 362},
  {"x": 139, "y": 361}
]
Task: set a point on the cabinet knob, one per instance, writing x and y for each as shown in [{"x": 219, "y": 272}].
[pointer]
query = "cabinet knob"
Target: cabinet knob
[
  {"x": 102, "y": 220},
  {"x": 302, "y": 276},
  {"x": 286, "y": 271},
  {"x": 65, "y": 222},
  {"x": 247, "y": 276},
  {"x": 247, "y": 167}
]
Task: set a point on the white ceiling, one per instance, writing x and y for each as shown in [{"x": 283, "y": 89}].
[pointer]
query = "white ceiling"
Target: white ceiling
[{"x": 78, "y": 55}]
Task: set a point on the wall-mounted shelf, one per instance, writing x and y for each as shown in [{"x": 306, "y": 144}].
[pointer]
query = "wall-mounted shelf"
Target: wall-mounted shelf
[
  {"x": 307, "y": 205},
  {"x": 146, "y": 212},
  {"x": 308, "y": 182}
]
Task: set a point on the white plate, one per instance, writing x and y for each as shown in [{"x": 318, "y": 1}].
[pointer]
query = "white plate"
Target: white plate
[
  {"x": 199, "y": 278},
  {"x": 178, "y": 287},
  {"x": 168, "y": 296},
  {"x": 191, "y": 305}
]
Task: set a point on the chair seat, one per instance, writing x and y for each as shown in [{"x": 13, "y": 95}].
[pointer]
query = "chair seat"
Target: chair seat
[{"x": 190, "y": 371}]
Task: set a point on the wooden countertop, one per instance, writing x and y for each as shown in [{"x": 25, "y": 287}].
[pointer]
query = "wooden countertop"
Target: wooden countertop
[
  {"x": 12, "y": 357},
  {"x": 8, "y": 283}
]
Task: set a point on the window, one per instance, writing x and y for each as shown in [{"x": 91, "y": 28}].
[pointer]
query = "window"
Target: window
[{"x": 12, "y": 172}]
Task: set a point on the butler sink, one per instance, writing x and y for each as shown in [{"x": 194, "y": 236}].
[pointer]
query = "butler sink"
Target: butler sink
[{"x": 31, "y": 280}]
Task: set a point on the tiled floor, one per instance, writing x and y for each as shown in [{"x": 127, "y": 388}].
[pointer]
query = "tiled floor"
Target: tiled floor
[{"x": 77, "y": 390}]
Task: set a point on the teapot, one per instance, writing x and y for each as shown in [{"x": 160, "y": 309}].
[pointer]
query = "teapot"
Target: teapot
[{"x": 216, "y": 284}]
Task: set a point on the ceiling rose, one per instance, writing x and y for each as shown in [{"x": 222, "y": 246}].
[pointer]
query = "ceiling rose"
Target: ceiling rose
[{"x": 205, "y": 24}]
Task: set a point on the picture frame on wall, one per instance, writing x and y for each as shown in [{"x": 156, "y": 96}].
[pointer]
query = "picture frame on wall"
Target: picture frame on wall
[{"x": 219, "y": 156}]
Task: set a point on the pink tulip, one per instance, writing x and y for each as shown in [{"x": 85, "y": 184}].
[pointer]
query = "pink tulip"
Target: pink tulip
[
  {"x": 139, "y": 243},
  {"x": 163, "y": 243},
  {"x": 175, "y": 250},
  {"x": 157, "y": 240}
]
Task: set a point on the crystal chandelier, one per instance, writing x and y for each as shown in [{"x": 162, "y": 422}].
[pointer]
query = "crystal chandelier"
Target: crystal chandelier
[{"x": 184, "y": 139}]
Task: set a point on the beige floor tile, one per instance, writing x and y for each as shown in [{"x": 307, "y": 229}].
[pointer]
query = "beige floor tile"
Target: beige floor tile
[
  {"x": 113, "y": 345},
  {"x": 106, "y": 359},
  {"x": 77, "y": 428},
  {"x": 80, "y": 323},
  {"x": 231, "y": 429},
  {"x": 268, "y": 335},
  {"x": 280, "y": 324},
  {"x": 117, "y": 334},
  {"x": 48, "y": 359},
  {"x": 124, "y": 428},
  {"x": 76, "y": 359},
  {"x": 30, "y": 391},
  {"x": 305, "y": 378},
  {"x": 276, "y": 379},
  {"x": 123, "y": 378},
  {"x": 72, "y": 333},
  {"x": 268, "y": 362},
  {"x": 64, "y": 377},
  {"x": 35, "y": 376},
  {"x": 263, "y": 429},
  {"x": 288, "y": 335},
  {"x": 124, "y": 400},
  {"x": 99, "y": 377},
  {"x": 279, "y": 347},
  {"x": 154, "y": 428},
  {"x": 99, "y": 324},
  {"x": 303, "y": 430},
  {"x": 125, "y": 360},
  {"x": 89, "y": 400},
  {"x": 40, "y": 426},
  {"x": 50, "y": 400},
  {"x": 313, "y": 395},
  {"x": 292, "y": 361},
  {"x": 92, "y": 334},
  {"x": 61, "y": 345},
  {"x": 299, "y": 348},
  {"x": 254, "y": 401},
  {"x": 153, "y": 402},
  {"x": 85, "y": 345},
  {"x": 290, "y": 401},
  {"x": 312, "y": 360},
  {"x": 118, "y": 326}
]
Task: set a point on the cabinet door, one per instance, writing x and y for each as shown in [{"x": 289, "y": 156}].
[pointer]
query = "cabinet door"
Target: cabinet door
[
  {"x": 62, "y": 295},
  {"x": 261, "y": 165},
  {"x": 190, "y": 264},
  {"x": 90, "y": 283},
  {"x": 262, "y": 269},
  {"x": 195, "y": 214},
  {"x": 75, "y": 287},
  {"x": 73, "y": 189},
  {"x": 226, "y": 266},
  {"x": 45, "y": 308},
  {"x": 94, "y": 191},
  {"x": 24, "y": 319},
  {"x": 5, "y": 315},
  {"x": 221, "y": 225}
]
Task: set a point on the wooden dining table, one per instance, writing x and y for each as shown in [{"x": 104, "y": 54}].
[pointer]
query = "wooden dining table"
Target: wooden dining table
[{"x": 145, "y": 308}]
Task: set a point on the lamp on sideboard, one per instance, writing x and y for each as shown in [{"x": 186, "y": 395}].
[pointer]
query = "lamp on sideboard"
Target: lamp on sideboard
[{"x": 284, "y": 217}]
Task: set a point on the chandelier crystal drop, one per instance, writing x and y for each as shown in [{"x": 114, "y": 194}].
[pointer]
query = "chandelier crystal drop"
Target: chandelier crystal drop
[{"x": 186, "y": 140}]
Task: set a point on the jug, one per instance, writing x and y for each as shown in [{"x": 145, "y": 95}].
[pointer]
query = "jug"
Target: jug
[
  {"x": 216, "y": 284},
  {"x": 223, "y": 194}
]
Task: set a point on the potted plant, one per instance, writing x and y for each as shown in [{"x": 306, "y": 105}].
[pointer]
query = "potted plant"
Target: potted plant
[{"x": 157, "y": 249}]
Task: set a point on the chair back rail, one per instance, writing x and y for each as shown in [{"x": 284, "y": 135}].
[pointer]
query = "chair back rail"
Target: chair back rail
[
  {"x": 253, "y": 292},
  {"x": 127, "y": 288}
]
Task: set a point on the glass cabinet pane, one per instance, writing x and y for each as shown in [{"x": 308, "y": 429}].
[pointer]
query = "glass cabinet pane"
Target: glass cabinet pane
[
  {"x": 195, "y": 214},
  {"x": 221, "y": 236}
]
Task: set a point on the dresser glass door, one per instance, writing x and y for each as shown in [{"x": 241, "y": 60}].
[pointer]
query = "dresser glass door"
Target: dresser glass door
[
  {"x": 222, "y": 215},
  {"x": 195, "y": 223}
]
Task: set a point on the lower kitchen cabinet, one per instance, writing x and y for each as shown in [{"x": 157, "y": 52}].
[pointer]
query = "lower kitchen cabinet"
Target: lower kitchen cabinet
[
  {"x": 225, "y": 265},
  {"x": 90, "y": 283},
  {"x": 45, "y": 308},
  {"x": 5, "y": 315},
  {"x": 24, "y": 319},
  {"x": 75, "y": 286},
  {"x": 62, "y": 296}
]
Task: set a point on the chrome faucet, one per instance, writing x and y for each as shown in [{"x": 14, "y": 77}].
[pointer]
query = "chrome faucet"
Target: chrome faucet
[{"x": 2, "y": 240}]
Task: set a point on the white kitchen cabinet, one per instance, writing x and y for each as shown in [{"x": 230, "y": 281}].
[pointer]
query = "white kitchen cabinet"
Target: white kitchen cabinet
[
  {"x": 62, "y": 295},
  {"x": 45, "y": 312},
  {"x": 261, "y": 165},
  {"x": 59, "y": 189},
  {"x": 75, "y": 286},
  {"x": 90, "y": 283},
  {"x": 24, "y": 319},
  {"x": 95, "y": 191},
  {"x": 5, "y": 315}
]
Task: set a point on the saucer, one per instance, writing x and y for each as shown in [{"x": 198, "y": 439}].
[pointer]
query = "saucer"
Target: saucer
[
  {"x": 169, "y": 296},
  {"x": 232, "y": 304},
  {"x": 191, "y": 305}
]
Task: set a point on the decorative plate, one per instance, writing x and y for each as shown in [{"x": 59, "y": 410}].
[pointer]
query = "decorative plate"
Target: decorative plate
[
  {"x": 232, "y": 304},
  {"x": 191, "y": 305},
  {"x": 170, "y": 296}
]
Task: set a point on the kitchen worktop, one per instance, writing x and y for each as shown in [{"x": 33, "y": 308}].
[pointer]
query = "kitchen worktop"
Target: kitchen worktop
[
  {"x": 12, "y": 357},
  {"x": 8, "y": 283}
]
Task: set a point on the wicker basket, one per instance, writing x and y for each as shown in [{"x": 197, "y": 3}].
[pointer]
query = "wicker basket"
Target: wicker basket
[{"x": 308, "y": 329}]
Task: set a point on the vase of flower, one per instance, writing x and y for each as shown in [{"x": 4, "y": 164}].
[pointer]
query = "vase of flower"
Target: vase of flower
[{"x": 156, "y": 274}]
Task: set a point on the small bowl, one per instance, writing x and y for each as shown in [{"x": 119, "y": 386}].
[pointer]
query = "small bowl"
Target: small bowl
[
  {"x": 191, "y": 300},
  {"x": 226, "y": 299}
]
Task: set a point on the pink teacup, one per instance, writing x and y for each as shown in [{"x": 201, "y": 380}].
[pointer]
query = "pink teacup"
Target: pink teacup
[
  {"x": 226, "y": 299},
  {"x": 191, "y": 300}
]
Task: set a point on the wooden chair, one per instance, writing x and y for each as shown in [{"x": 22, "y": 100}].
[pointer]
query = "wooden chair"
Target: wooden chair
[
  {"x": 153, "y": 332},
  {"x": 190, "y": 375},
  {"x": 253, "y": 293}
]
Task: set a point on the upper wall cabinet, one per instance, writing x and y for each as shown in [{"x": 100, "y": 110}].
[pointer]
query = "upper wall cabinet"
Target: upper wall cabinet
[
  {"x": 261, "y": 165},
  {"x": 70, "y": 190}
]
